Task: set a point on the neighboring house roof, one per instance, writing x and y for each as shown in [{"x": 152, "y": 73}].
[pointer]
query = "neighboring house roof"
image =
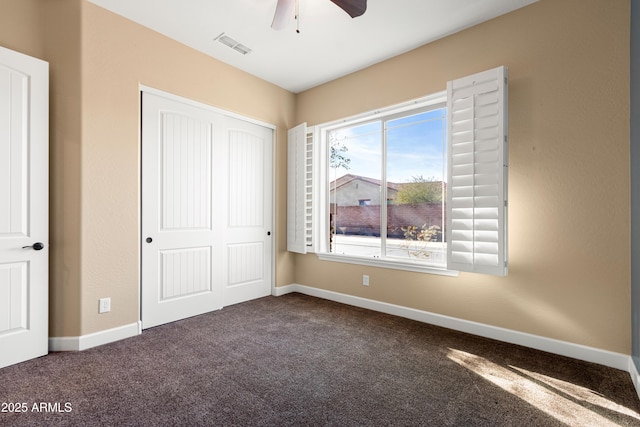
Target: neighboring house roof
[{"x": 345, "y": 179}]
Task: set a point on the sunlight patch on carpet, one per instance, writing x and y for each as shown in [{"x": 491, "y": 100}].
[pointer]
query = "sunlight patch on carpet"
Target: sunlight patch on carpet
[{"x": 559, "y": 399}]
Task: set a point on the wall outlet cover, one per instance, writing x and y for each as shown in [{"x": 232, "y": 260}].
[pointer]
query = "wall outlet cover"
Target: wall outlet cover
[{"x": 105, "y": 305}]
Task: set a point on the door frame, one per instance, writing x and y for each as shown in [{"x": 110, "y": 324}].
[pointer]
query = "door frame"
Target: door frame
[{"x": 198, "y": 104}]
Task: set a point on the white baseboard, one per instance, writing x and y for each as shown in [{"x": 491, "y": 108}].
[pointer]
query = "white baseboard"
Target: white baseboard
[
  {"x": 93, "y": 340},
  {"x": 635, "y": 376},
  {"x": 563, "y": 348}
]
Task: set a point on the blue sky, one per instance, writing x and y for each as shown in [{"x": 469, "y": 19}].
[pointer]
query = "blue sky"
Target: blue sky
[{"x": 414, "y": 148}]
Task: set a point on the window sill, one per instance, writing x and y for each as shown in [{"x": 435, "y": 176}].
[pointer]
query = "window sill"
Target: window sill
[{"x": 383, "y": 263}]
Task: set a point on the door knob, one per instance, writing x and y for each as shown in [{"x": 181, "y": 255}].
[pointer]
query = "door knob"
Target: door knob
[
  {"x": 38, "y": 246},
  {"x": 149, "y": 240}
]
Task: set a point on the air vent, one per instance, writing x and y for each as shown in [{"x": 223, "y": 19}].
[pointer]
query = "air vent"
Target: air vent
[{"x": 233, "y": 44}]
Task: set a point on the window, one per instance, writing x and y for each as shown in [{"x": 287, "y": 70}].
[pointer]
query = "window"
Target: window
[
  {"x": 419, "y": 186},
  {"x": 386, "y": 184}
]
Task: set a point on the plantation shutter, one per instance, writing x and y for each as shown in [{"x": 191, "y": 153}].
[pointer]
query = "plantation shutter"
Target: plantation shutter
[
  {"x": 296, "y": 189},
  {"x": 308, "y": 188},
  {"x": 477, "y": 173}
]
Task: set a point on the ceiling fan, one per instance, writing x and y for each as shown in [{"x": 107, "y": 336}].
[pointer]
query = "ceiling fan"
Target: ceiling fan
[{"x": 285, "y": 9}]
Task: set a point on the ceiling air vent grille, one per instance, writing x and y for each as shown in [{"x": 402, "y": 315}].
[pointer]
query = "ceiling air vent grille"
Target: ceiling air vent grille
[{"x": 233, "y": 44}]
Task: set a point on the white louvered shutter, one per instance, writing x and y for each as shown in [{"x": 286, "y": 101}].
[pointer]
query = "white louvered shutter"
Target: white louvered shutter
[
  {"x": 296, "y": 189},
  {"x": 477, "y": 173},
  {"x": 308, "y": 188}
]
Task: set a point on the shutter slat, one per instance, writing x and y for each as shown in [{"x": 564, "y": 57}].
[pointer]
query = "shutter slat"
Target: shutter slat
[
  {"x": 469, "y": 89},
  {"x": 489, "y": 110},
  {"x": 487, "y": 213},
  {"x": 485, "y": 190},
  {"x": 486, "y": 237},
  {"x": 462, "y": 214},
  {"x": 477, "y": 178},
  {"x": 461, "y": 138},
  {"x": 486, "y": 225},
  {"x": 462, "y": 191}
]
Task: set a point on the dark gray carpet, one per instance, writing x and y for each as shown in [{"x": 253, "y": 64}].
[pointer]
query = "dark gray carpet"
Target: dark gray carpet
[{"x": 302, "y": 361}]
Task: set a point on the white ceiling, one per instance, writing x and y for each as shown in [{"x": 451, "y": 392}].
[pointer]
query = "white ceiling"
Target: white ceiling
[{"x": 330, "y": 44}]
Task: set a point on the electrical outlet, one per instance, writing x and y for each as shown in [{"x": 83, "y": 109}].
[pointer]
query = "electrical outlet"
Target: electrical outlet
[
  {"x": 365, "y": 280},
  {"x": 105, "y": 305}
]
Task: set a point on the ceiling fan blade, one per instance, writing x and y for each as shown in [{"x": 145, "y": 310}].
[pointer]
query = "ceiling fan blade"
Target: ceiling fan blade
[
  {"x": 354, "y": 8},
  {"x": 284, "y": 11}
]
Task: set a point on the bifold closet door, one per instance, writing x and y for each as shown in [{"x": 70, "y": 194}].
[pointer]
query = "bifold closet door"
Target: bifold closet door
[{"x": 206, "y": 210}]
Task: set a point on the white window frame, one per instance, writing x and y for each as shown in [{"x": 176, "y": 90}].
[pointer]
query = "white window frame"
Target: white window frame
[
  {"x": 492, "y": 82},
  {"x": 322, "y": 195}
]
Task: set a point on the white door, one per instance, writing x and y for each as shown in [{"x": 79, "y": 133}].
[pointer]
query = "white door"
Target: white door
[
  {"x": 245, "y": 202},
  {"x": 200, "y": 193},
  {"x": 24, "y": 207}
]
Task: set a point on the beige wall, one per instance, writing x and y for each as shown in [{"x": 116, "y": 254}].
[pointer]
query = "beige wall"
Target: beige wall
[
  {"x": 568, "y": 174},
  {"x": 117, "y": 56},
  {"x": 50, "y": 30},
  {"x": 21, "y": 26},
  {"x": 569, "y": 134},
  {"x": 97, "y": 61},
  {"x": 62, "y": 34}
]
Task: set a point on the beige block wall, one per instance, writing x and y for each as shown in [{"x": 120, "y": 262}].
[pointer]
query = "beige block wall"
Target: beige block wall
[{"x": 569, "y": 275}]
